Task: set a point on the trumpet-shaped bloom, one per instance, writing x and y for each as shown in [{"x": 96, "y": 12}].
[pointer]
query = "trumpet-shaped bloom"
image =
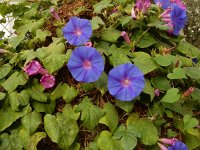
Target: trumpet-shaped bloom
[
  {"x": 77, "y": 31},
  {"x": 125, "y": 82},
  {"x": 48, "y": 81},
  {"x": 178, "y": 146},
  {"x": 86, "y": 64},
  {"x": 167, "y": 3},
  {"x": 32, "y": 68}
]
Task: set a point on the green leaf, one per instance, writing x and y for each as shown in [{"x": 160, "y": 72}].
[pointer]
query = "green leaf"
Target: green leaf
[
  {"x": 118, "y": 58},
  {"x": 148, "y": 89},
  {"x": 101, "y": 83},
  {"x": 144, "y": 62},
  {"x": 165, "y": 60},
  {"x": 111, "y": 122},
  {"x": 4, "y": 70},
  {"x": 15, "y": 41},
  {"x": 101, "y": 5},
  {"x": 149, "y": 133},
  {"x": 28, "y": 55},
  {"x": 54, "y": 62},
  {"x": 16, "y": 79},
  {"x": 41, "y": 35},
  {"x": 68, "y": 93},
  {"x": 96, "y": 21},
  {"x": 127, "y": 136},
  {"x": 142, "y": 39},
  {"x": 178, "y": 73},
  {"x": 106, "y": 142},
  {"x": 196, "y": 94},
  {"x": 125, "y": 19},
  {"x": 171, "y": 96},
  {"x": 36, "y": 92},
  {"x": 10, "y": 142},
  {"x": 189, "y": 122},
  {"x": 24, "y": 137},
  {"x": 69, "y": 112},
  {"x": 192, "y": 72},
  {"x": 60, "y": 129},
  {"x": 8, "y": 116},
  {"x": 125, "y": 105},
  {"x": 18, "y": 99},
  {"x": 161, "y": 83},
  {"x": 110, "y": 35},
  {"x": 35, "y": 139},
  {"x": 90, "y": 114},
  {"x": 2, "y": 95},
  {"x": 31, "y": 121},
  {"x": 92, "y": 146},
  {"x": 48, "y": 107},
  {"x": 192, "y": 141}
]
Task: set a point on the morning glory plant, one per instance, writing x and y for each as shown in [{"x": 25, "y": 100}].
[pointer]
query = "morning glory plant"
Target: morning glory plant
[
  {"x": 125, "y": 82},
  {"x": 77, "y": 31}
]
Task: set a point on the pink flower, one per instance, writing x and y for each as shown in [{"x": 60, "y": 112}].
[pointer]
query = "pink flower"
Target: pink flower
[
  {"x": 157, "y": 92},
  {"x": 54, "y": 14},
  {"x": 89, "y": 44},
  {"x": 48, "y": 81},
  {"x": 125, "y": 36},
  {"x": 168, "y": 141},
  {"x": 32, "y": 68}
]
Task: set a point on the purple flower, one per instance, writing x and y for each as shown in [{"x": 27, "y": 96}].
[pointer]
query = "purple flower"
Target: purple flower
[
  {"x": 163, "y": 3},
  {"x": 142, "y": 5},
  {"x": 48, "y": 81},
  {"x": 77, "y": 31},
  {"x": 54, "y": 14},
  {"x": 86, "y": 64},
  {"x": 178, "y": 146},
  {"x": 157, "y": 92},
  {"x": 32, "y": 68},
  {"x": 125, "y": 82}
]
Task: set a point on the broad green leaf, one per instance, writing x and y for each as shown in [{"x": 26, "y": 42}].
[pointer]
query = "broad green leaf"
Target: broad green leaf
[
  {"x": 125, "y": 105},
  {"x": 17, "y": 100},
  {"x": 165, "y": 60},
  {"x": 16, "y": 79},
  {"x": 149, "y": 133},
  {"x": 2, "y": 95},
  {"x": 41, "y": 35},
  {"x": 92, "y": 146},
  {"x": 8, "y": 116},
  {"x": 188, "y": 49},
  {"x": 118, "y": 58},
  {"x": 178, "y": 73},
  {"x": 196, "y": 94},
  {"x": 192, "y": 72},
  {"x": 69, "y": 112},
  {"x": 171, "y": 96},
  {"x": 4, "y": 70},
  {"x": 31, "y": 121},
  {"x": 68, "y": 93},
  {"x": 101, "y": 83},
  {"x": 192, "y": 141},
  {"x": 161, "y": 83},
  {"x": 96, "y": 21},
  {"x": 143, "y": 39},
  {"x": 90, "y": 114},
  {"x": 148, "y": 89},
  {"x": 28, "y": 55},
  {"x": 75, "y": 146},
  {"x": 110, "y": 35},
  {"x": 54, "y": 62},
  {"x": 60, "y": 129},
  {"x": 189, "y": 122},
  {"x": 31, "y": 13},
  {"x": 101, "y": 5},
  {"x": 127, "y": 136},
  {"x": 24, "y": 137},
  {"x": 111, "y": 122},
  {"x": 106, "y": 142},
  {"x": 35, "y": 139},
  {"x": 15, "y": 41},
  {"x": 144, "y": 62},
  {"x": 36, "y": 92},
  {"x": 47, "y": 107},
  {"x": 10, "y": 142},
  {"x": 125, "y": 19}
]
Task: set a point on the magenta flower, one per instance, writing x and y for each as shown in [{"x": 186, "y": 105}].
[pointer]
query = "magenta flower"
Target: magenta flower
[
  {"x": 125, "y": 36},
  {"x": 157, "y": 92},
  {"x": 77, "y": 31},
  {"x": 54, "y": 14},
  {"x": 125, "y": 82},
  {"x": 142, "y": 5},
  {"x": 32, "y": 68},
  {"x": 86, "y": 64},
  {"x": 89, "y": 44},
  {"x": 48, "y": 81}
]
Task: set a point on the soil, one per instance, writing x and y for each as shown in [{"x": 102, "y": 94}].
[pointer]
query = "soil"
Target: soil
[{"x": 192, "y": 29}]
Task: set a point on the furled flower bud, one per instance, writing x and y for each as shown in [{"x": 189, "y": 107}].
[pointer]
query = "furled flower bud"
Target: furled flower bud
[
  {"x": 157, "y": 92},
  {"x": 188, "y": 92},
  {"x": 125, "y": 36},
  {"x": 54, "y": 14},
  {"x": 168, "y": 141}
]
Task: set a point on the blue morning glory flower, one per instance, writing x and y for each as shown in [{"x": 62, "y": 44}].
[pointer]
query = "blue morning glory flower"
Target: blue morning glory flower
[
  {"x": 163, "y": 3},
  {"x": 86, "y": 64},
  {"x": 77, "y": 31},
  {"x": 125, "y": 82},
  {"x": 178, "y": 146},
  {"x": 178, "y": 18}
]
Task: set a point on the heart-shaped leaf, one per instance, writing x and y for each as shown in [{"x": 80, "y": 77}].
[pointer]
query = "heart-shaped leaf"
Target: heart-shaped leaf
[
  {"x": 189, "y": 122},
  {"x": 178, "y": 73}
]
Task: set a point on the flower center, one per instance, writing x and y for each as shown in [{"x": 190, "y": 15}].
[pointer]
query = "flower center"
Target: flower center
[
  {"x": 78, "y": 32},
  {"x": 87, "y": 64},
  {"x": 126, "y": 82}
]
